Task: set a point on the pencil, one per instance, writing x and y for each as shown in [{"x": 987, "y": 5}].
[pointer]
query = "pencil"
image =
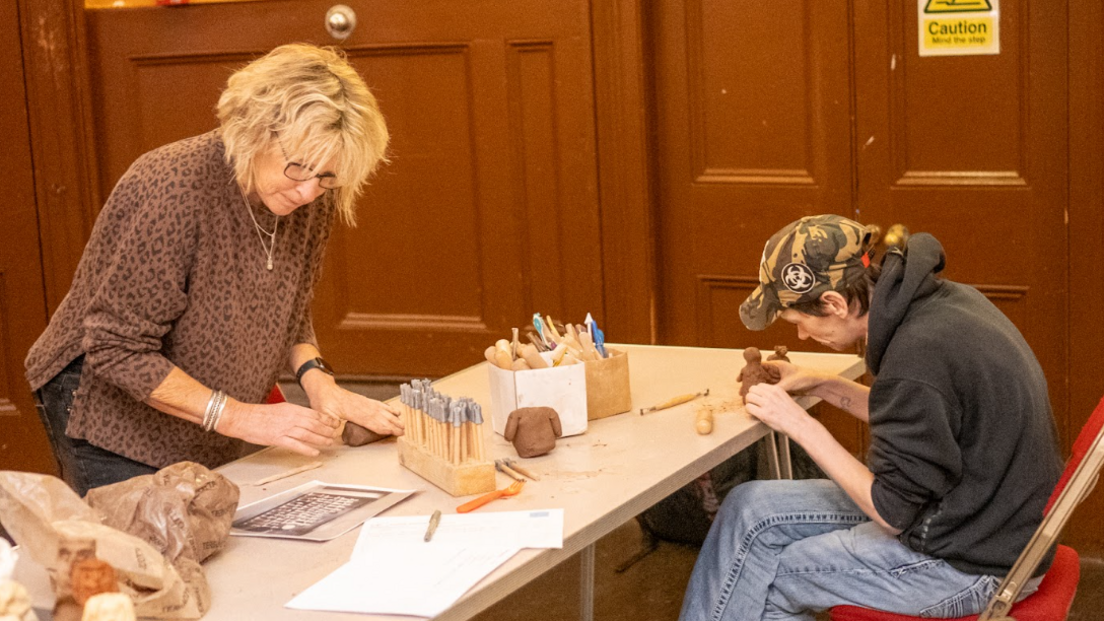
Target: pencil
[{"x": 434, "y": 520}]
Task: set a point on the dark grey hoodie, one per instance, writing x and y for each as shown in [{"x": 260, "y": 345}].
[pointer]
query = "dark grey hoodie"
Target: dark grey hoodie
[{"x": 963, "y": 445}]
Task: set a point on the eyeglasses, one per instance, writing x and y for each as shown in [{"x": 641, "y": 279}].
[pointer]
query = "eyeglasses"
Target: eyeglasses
[{"x": 297, "y": 172}]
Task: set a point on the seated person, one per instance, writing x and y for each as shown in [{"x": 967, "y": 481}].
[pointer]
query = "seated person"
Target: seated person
[{"x": 962, "y": 458}]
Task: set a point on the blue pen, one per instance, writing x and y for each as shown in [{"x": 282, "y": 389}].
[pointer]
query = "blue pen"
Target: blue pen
[
  {"x": 538, "y": 323},
  {"x": 598, "y": 336}
]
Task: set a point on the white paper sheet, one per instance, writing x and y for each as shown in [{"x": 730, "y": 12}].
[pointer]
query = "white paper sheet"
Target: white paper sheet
[
  {"x": 394, "y": 571},
  {"x": 507, "y": 529},
  {"x": 403, "y": 579}
]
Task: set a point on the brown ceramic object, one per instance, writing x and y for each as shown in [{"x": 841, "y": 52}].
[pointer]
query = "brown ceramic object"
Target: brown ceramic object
[
  {"x": 755, "y": 373},
  {"x": 533, "y": 430},
  {"x": 91, "y": 576},
  {"x": 780, "y": 352},
  {"x": 355, "y": 435}
]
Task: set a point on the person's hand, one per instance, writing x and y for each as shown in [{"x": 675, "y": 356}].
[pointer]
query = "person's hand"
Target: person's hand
[
  {"x": 775, "y": 407},
  {"x": 794, "y": 379},
  {"x": 368, "y": 413},
  {"x": 287, "y": 425}
]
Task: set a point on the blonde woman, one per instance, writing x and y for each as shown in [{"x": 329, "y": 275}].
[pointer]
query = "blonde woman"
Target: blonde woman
[{"x": 194, "y": 291}]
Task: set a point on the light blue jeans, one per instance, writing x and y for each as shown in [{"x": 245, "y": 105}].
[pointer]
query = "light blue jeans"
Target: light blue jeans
[{"x": 784, "y": 549}]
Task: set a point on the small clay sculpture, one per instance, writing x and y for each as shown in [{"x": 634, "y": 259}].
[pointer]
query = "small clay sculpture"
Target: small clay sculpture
[
  {"x": 755, "y": 373},
  {"x": 533, "y": 430},
  {"x": 780, "y": 352},
  {"x": 89, "y": 576}
]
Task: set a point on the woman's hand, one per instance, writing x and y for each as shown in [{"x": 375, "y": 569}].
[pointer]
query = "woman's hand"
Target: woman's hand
[
  {"x": 286, "y": 425},
  {"x": 368, "y": 413}
]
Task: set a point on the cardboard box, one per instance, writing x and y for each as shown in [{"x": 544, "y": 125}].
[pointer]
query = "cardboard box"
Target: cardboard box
[
  {"x": 607, "y": 382},
  {"x": 578, "y": 392},
  {"x": 560, "y": 388}
]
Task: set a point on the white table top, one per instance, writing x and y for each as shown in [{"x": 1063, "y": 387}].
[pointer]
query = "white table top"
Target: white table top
[{"x": 621, "y": 466}]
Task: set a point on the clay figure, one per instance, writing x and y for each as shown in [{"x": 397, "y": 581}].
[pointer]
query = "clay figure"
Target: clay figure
[
  {"x": 89, "y": 576},
  {"x": 355, "y": 435},
  {"x": 533, "y": 430},
  {"x": 755, "y": 373},
  {"x": 780, "y": 352}
]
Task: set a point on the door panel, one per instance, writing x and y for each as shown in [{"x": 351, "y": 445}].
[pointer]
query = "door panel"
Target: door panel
[
  {"x": 753, "y": 132},
  {"x": 23, "y": 443},
  {"x": 973, "y": 149},
  {"x": 488, "y": 210}
]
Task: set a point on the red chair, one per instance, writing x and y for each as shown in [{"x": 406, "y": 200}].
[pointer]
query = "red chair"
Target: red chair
[
  {"x": 275, "y": 395},
  {"x": 1055, "y": 595}
]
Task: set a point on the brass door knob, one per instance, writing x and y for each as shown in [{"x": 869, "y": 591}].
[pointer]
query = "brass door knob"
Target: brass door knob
[
  {"x": 896, "y": 236},
  {"x": 340, "y": 21}
]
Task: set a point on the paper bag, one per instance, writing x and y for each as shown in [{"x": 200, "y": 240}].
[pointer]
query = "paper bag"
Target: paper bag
[
  {"x": 42, "y": 513},
  {"x": 607, "y": 385}
]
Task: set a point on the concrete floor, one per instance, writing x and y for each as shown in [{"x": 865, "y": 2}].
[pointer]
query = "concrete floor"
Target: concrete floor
[{"x": 651, "y": 589}]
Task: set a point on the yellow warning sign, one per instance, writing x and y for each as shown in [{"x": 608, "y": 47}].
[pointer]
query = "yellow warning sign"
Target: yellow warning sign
[
  {"x": 958, "y": 27},
  {"x": 957, "y": 6}
]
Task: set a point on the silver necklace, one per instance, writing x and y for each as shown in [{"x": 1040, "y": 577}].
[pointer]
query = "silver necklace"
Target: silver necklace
[{"x": 270, "y": 248}]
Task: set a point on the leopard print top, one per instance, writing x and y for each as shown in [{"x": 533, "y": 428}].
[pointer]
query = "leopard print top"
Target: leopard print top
[{"x": 174, "y": 275}]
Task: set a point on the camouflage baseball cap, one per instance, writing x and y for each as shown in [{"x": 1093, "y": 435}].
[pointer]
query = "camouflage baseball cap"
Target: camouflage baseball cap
[{"x": 806, "y": 258}]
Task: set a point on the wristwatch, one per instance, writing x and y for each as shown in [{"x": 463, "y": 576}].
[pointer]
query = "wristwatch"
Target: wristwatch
[{"x": 313, "y": 363}]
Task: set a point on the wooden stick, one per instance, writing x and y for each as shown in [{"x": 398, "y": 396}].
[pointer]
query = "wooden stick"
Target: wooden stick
[
  {"x": 523, "y": 471},
  {"x": 670, "y": 403},
  {"x": 454, "y": 443},
  {"x": 287, "y": 473},
  {"x": 479, "y": 448}
]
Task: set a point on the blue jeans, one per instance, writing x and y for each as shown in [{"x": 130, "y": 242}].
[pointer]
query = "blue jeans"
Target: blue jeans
[
  {"x": 82, "y": 465},
  {"x": 784, "y": 549}
]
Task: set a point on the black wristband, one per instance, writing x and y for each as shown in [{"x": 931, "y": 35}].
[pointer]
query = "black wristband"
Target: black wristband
[{"x": 313, "y": 363}]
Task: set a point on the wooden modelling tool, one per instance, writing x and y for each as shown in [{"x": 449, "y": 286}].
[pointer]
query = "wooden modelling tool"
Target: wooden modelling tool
[
  {"x": 703, "y": 421},
  {"x": 523, "y": 471},
  {"x": 287, "y": 473},
  {"x": 673, "y": 402},
  {"x": 505, "y": 469},
  {"x": 443, "y": 442}
]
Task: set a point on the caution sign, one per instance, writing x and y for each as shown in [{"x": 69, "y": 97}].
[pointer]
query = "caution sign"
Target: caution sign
[{"x": 958, "y": 27}]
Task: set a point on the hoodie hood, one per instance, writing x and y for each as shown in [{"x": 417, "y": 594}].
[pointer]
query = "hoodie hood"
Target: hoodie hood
[{"x": 906, "y": 276}]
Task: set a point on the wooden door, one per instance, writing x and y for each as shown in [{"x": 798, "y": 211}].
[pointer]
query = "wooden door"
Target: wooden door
[
  {"x": 488, "y": 210},
  {"x": 974, "y": 149},
  {"x": 753, "y": 112},
  {"x": 22, "y": 298},
  {"x": 752, "y": 109}
]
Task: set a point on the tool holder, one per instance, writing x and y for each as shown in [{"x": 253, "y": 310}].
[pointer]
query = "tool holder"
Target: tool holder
[{"x": 443, "y": 440}]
